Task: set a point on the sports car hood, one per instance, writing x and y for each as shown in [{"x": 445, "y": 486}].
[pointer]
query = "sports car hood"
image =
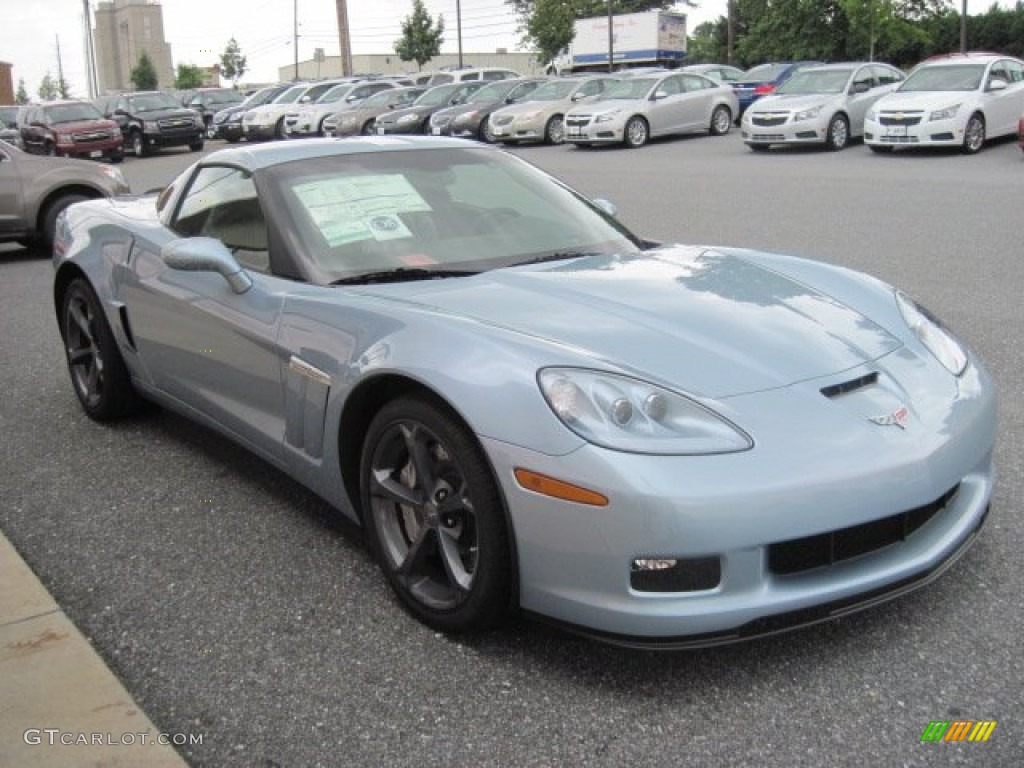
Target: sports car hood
[{"x": 713, "y": 323}]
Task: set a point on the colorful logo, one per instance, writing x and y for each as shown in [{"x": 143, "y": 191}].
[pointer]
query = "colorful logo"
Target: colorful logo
[{"x": 958, "y": 730}]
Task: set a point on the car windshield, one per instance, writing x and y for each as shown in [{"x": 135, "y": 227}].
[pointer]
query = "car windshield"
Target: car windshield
[
  {"x": 224, "y": 97},
  {"x": 492, "y": 92},
  {"x": 261, "y": 97},
  {"x": 152, "y": 102},
  {"x": 952, "y": 77},
  {"x": 437, "y": 96},
  {"x": 291, "y": 95},
  {"x": 556, "y": 90},
  {"x": 635, "y": 88},
  {"x": 816, "y": 81},
  {"x": 434, "y": 210},
  {"x": 9, "y": 116},
  {"x": 337, "y": 93},
  {"x": 72, "y": 113},
  {"x": 764, "y": 73},
  {"x": 383, "y": 98}
]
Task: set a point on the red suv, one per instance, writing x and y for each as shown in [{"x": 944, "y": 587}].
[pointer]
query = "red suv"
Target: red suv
[{"x": 72, "y": 129}]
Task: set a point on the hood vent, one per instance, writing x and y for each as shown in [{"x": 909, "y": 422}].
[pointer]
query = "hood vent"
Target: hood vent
[{"x": 846, "y": 387}]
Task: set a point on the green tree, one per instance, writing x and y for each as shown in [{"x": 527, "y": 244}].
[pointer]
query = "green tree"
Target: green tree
[
  {"x": 21, "y": 97},
  {"x": 546, "y": 25},
  {"x": 47, "y": 88},
  {"x": 232, "y": 62},
  {"x": 189, "y": 76},
  {"x": 143, "y": 75},
  {"x": 421, "y": 39}
]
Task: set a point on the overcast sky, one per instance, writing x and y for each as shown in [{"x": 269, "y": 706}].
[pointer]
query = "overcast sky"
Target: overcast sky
[{"x": 198, "y": 32}]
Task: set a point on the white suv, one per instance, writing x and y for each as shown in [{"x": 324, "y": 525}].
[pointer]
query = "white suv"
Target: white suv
[{"x": 959, "y": 100}]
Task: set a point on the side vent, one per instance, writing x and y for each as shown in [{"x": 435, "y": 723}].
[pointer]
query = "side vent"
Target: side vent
[
  {"x": 122, "y": 312},
  {"x": 846, "y": 387}
]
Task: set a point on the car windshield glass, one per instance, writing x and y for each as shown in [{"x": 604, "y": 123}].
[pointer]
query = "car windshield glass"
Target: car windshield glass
[
  {"x": 465, "y": 209},
  {"x": 636, "y": 88},
  {"x": 816, "y": 81},
  {"x": 72, "y": 113},
  {"x": 493, "y": 92},
  {"x": 383, "y": 98},
  {"x": 291, "y": 95},
  {"x": 9, "y": 116},
  {"x": 152, "y": 102},
  {"x": 438, "y": 96},
  {"x": 764, "y": 73},
  {"x": 336, "y": 93},
  {"x": 225, "y": 97},
  {"x": 554, "y": 91},
  {"x": 955, "y": 77},
  {"x": 261, "y": 97}
]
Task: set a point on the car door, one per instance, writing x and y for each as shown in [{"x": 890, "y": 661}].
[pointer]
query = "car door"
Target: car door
[
  {"x": 664, "y": 107},
  {"x": 201, "y": 342},
  {"x": 33, "y": 130},
  {"x": 861, "y": 93},
  {"x": 12, "y": 206},
  {"x": 1003, "y": 108},
  {"x": 695, "y": 102}
]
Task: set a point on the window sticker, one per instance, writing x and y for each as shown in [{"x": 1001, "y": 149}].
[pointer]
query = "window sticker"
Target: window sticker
[{"x": 356, "y": 208}]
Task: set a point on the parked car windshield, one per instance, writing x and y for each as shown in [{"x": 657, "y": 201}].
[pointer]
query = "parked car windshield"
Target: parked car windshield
[
  {"x": 336, "y": 93},
  {"x": 153, "y": 102},
  {"x": 493, "y": 92},
  {"x": 634, "y": 88},
  {"x": 72, "y": 113},
  {"x": 438, "y": 209},
  {"x": 383, "y": 98},
  {"x": 953, "y": 77},
  {"x": 816, "y": 81},
  {"x": 556, "y": 90},
  {"x": 9, "y": 116},
  {"x": 437, "y": 96},
  {"x": 224, "y": 97},
  {"x": 291, "y": 95}
]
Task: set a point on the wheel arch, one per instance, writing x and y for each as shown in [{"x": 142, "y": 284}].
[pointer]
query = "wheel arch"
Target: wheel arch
[
  {"x": 66, "y": 273},
  {"x": 55, "y": 195},
  {"x": 363, "y": 403}
]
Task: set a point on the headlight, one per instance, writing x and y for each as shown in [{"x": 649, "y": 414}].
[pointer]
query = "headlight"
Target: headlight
[
  {"x": 945, "y": 114},
  {"x": 347, "y": 121},
  {"x": 872, "y": 115},
  {"x": 198, "y": 121},
  {"x": 930, "y": 332},
  {"x": 412, "y": 117},
  {"x": 626, "y": 414},
  {"x": 152, "y": 126},
  {"x": 64, "y": 138},
  {"x": 606, "y": 117},
  {"x": 529, "y": 115},
  {"x": 808, "y": 114}
]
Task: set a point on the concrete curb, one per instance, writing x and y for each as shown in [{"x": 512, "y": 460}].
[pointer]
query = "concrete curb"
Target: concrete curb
[{"x": 60, "y": 705}]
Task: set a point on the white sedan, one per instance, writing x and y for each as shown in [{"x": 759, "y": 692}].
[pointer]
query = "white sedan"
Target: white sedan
[
  {"x": 820, "y": 105},
  {"x": 959, "y": 100},
  {"x": 640, "y": 108}
]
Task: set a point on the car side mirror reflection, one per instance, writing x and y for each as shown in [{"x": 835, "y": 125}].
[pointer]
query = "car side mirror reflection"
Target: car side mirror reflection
[{"x": 206, "y": 254}]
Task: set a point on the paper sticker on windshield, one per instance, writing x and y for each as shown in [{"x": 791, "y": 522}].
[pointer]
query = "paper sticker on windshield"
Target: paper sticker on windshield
[{"x": 353, "y": 208}]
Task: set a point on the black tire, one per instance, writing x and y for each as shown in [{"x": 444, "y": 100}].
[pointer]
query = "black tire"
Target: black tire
[
  {"x": 138, "y": 144},
  {"x": 367, "y": 128},
  {"x": 197, "y": 145},
  {"x": 117, "y": 156},
  {"x": 50, "y": 149},
  {"x": 721, "y": 121},
  {"x": 279, "y": 132},
  {"x": 98, "y": 373},
  {"x": 434, "y": 517},
  {"x": 974, "y": 134},
  {"x": 838, "y": 136},
  {"x": 554, "y": 130},
  {"x": 486, "y": 133},
  {"x": 636, "y": 132},
  {"x": 49, "y": 219},
  {"x": 232, "y": 139}
]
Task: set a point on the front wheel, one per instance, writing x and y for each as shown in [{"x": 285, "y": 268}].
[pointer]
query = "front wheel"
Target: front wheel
[
  {"x": 486, "y": 132},
  {"x": 434, "y": 517},
  {"x": 138, "y": 144},
  {"x": 974, "y": 134},
  {"x": 98, "y": 372},
  {"x": 53, "y": 211},
  {"x": 197, "y": 145},
  {"x": 368, "y": 126},
  {"x": 554, "y": 130},
  {"x": 838, "y": 135},
  {"x": 721, "y": 120},
  {"x": 636, "y": 132}
]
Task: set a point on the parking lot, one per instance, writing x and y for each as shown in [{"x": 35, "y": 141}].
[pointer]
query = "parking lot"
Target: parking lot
[{"x": 234, "y": 604}]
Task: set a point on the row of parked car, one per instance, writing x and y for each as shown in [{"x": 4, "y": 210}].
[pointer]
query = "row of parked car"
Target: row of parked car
[{"x": 955, "y": 100}]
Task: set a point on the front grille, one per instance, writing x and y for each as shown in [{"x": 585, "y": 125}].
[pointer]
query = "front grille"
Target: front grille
[
  {"x": 769, "y": 121},
  {"x": 85, "y": 138},
  {"x": 763, "y": 137},
  {"x": 887, "y": 139},
  {"x": 899, "y": 119},
  {"x": 825, "y": 549},
  {"x": 176, "y": 122},
  {"x": 577, "y": 121}
]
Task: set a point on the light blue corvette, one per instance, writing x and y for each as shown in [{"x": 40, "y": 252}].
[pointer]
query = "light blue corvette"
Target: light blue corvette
[{"x": 525, "y": 405}]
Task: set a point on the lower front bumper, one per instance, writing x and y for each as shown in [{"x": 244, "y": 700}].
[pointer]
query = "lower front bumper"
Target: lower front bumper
[{"x": 937, "y": 133}]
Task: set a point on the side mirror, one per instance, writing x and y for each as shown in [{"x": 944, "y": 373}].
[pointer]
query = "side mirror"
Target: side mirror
[
  {"x": 860, "y": 88},
  {"x": 659, "y": 95},
  {"x": 606, "y": 206},
  {"x": 997, "y": 84},
  {"x": 206, "y": 254}
]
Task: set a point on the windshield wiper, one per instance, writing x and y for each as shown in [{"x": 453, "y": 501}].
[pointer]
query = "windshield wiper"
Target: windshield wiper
[
  {"x": 402, "y": 274},
  {"x": 556, "y": 256}
]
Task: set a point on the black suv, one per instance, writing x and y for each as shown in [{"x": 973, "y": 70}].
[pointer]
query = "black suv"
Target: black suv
[
  {"x": 209, "y": 101},
  {"x": 150, "y": 120}
]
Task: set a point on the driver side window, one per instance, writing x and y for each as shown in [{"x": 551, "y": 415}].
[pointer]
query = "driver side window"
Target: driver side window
[{"x": 222, "y": 203}]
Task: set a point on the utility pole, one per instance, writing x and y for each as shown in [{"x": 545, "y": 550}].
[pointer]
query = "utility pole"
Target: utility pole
[
  {"x": 295, "y": 35},
  {"x": 90, "y": 54},
  {"x": 611, "y": 39},
  {"x": 963, "y": 28},
  {"x": 344, "y": 38},
  {"x": 61, "y": 85},
  {"x": 458, "y": 26}
]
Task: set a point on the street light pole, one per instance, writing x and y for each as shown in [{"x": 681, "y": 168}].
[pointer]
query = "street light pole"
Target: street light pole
[
  {"x": 458, "y": 26},
  {"x": 963, "y": 28},
  {"x": 295, "y": 35},
  {"x": 611, "y": 39}
]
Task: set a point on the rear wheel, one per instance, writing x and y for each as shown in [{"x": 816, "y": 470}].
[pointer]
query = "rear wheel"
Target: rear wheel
[
  {"x": 838, "y": 135},
  {"x": 721, "y": 121},
  {"x": 636, "y": 132},
  {"x": 434, "y": 517},
  {"x": 98, "y": 372},
  {"x": 974, "y": 134},
  {"x": 554, "y": 130}
]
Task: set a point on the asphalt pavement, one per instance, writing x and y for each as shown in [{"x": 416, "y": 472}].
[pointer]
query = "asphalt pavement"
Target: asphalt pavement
[{"x": 234, "y": 607}]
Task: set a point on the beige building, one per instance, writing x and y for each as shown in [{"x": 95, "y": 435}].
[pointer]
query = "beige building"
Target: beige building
[
  {"x": 524, "y": 63},
  {"x": 123, "y": 30}
]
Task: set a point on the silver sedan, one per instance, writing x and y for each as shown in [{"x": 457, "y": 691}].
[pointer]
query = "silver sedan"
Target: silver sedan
[{"x": 819, "y": 105}]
